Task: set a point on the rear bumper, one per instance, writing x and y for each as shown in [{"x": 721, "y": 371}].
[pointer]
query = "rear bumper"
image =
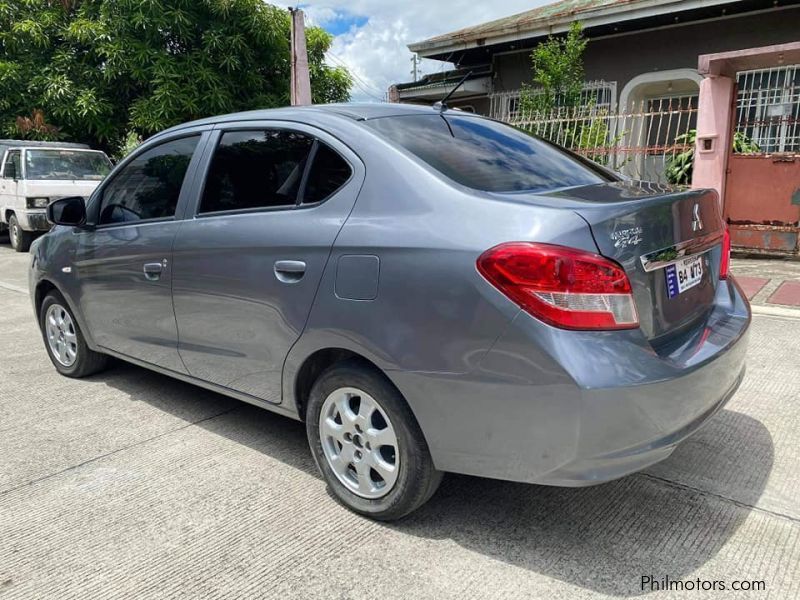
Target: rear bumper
[
  {"x": 597, "y": 469},
  {"x": 578, "y": 408}
]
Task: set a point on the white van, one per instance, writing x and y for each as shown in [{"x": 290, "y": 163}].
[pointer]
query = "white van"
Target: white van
[{"x": 33, "y": 174}]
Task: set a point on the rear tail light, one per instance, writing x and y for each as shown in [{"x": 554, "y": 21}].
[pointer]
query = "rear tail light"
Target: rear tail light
[
  {"x": 564, "y": 287},
  {"x": 725, "y": 260}
]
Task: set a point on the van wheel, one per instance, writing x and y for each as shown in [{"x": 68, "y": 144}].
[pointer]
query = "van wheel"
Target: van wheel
[
  {"x": 64, "y": 340},
  {"x": 367, "y": 443},
  {"x": 20, "y": 239}
]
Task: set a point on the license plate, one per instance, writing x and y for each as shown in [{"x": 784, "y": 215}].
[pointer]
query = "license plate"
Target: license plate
[{"x": 683, "y": 275}]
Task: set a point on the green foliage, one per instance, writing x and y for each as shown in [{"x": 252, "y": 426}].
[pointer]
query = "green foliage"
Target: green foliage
[
  {"x": 128, "y": 145},
  {"x": 744, "y": 145},
  {"x": 558, "y": 72},
  {"x": 679, "y": 167},
  {"x": 555, "y": 100},
  {"x": 100, "y": 71},
  {"x": 590, "y": 137}
]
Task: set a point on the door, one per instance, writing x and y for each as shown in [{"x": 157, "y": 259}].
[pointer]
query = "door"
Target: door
[
  {"x": 9, "y": 184},
  {"x": 247, "y": 267},
  {"x": 124, "y": 265},
  {"x": 762, "y": 185}
]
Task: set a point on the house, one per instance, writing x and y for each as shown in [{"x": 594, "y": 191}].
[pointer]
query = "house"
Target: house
[
  {"x": 677, "y": 91},
  {"x": 638, "y": 50}
]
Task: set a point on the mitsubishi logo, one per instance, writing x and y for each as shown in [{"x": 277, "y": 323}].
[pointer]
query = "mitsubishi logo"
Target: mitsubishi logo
[{"x": 697, "y": 222}]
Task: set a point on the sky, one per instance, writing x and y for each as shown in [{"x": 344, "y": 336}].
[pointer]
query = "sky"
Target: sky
[{"x": 371, "y": 35}]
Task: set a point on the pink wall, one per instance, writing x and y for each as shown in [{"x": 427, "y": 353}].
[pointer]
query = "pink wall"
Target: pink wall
[
  {"x": 714, "y": 115},
  {"x": 713, "y": 133}
]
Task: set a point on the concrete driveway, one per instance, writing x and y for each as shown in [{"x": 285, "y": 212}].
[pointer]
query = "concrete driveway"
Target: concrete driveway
[{"x": 133, "y": 485}]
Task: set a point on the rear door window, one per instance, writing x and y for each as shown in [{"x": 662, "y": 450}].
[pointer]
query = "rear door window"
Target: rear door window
[
  {"x": 328, "y": 173},
  {"x": 256, "y": 169},
  {"x": 487, "y": 155}
]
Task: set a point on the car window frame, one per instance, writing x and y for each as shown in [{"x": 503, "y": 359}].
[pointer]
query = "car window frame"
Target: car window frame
[
  {"x": 184, "y": 198},
  {"x": 317, "y": 135}
]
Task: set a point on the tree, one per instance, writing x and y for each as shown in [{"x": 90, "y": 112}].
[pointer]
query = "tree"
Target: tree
[
  {"x": 557, "y": 65},
  {"x": 99, "y": 71},
  {"x": 553, "y": 108}
]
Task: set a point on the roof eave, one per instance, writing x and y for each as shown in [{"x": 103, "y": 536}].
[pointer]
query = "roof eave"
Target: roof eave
[{"x": 590, "y": 18}]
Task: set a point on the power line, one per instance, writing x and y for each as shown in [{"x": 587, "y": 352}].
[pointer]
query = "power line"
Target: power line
[
  {"x": 365, "y": 87},
  {"x": 340, "y": 62},
  {"x": 353, "y": 74},
  {"x": 445, "y": 61}
]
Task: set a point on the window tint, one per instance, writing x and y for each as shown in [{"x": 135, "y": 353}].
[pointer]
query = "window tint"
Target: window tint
[
  {"x": 486, "y": 155},
  {"x": 328, "y": 173},
  {"x": 148, "y": 187},
  {"x": 256, "y": 169}
]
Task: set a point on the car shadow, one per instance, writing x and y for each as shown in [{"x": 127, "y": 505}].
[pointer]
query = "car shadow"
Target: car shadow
[{"x": 667, "y": 521}]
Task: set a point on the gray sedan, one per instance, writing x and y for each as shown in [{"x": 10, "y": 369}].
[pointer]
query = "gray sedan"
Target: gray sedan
[{"x": 428, "y": 290}]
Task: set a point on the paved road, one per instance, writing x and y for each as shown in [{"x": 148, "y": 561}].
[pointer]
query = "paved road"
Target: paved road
[{"x": 132, "y": 485}]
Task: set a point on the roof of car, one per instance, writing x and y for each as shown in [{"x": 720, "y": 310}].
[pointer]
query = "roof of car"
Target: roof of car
[
  {"x": 373, "y": 110},
  {"x": 358, "y": 111},
  {"x": 33, "y": 144}
]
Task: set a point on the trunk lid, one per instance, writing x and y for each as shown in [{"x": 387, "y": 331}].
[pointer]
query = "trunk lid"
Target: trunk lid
[{"x": 650, "y": 229}]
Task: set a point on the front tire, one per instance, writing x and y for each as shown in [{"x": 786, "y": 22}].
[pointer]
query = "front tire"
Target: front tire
[
  {"x": 20, "y": 239},
  {"x": 64, "y": 340},
  {"x": 367, "y": 443}
]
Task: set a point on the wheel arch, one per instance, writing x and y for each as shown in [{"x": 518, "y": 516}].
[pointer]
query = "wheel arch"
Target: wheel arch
[
  {"x": 316, "y": 363},
  {"x": 43, "y": 287}
]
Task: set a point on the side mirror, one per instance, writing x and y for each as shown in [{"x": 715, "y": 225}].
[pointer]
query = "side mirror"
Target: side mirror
[
  {"x": 67, "y": 211},
  {"x": 10, "y": 171}
]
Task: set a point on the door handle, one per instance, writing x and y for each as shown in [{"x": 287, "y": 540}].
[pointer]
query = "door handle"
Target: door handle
[
  {"x": 152, "y": 271},
  {"x": 289, "y": 271}
]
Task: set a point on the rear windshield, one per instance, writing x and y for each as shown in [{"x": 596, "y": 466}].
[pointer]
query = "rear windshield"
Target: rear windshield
[{"x": 487, "y": 155}]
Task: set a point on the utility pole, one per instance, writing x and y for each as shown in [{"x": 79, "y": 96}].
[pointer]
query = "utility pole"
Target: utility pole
[
  {"x": 300, "y": 92},
  {"x": 415, "y": 61}
]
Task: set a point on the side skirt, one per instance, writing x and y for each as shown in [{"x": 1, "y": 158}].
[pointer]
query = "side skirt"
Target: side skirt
[{"x": 276, "y": 408}]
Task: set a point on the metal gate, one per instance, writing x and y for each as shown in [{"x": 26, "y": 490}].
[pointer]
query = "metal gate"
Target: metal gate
[
  {"x": 640, "y": 141},
  {"x": 762, "y": 197}
]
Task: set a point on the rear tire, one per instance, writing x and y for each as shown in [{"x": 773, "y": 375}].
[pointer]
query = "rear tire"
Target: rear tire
[
  {"x": 20, "y": 239},
  {"x": 367, "y": 443},
  {"x": 64, "y": 340}
]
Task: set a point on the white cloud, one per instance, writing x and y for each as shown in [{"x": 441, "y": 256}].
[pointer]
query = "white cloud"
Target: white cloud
[{"x": 376, "y": 52}]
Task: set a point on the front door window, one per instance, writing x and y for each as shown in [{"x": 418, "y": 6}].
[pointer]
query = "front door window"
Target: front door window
[
  {"x": 148, "y": 187},
  {"x": 13, "y": 165}
]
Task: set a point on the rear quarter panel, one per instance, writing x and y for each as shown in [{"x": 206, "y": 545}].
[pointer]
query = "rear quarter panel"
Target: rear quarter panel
[{"x": 433, "y": 312}]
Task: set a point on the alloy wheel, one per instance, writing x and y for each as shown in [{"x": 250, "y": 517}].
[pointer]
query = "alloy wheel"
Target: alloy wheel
[
  {"x": 359, "y": 442},
  {"x": 61, "y": 335}
]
